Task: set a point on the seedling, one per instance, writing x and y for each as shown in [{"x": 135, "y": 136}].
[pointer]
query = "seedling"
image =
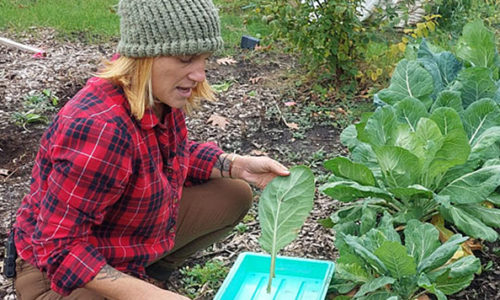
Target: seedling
[{"x": 284, "y": 206}]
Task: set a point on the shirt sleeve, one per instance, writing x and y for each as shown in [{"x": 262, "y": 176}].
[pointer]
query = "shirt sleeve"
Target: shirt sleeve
[
  {"x": 91, "y": 165},
  {"x": 202, "y": 160}
]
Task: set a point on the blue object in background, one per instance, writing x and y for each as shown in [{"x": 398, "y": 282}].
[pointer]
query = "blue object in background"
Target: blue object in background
[
  {"x": 248, "y": 42},
  {"x": 296, "y": 278}
]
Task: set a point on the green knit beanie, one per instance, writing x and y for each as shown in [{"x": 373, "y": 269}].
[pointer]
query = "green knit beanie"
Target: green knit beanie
[{"x": 168, "y": 27}]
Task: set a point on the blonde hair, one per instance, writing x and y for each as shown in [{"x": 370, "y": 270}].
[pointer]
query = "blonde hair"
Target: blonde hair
[{"x": 134, "y": 76}]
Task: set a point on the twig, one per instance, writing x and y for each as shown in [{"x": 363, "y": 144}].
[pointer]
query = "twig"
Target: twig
[{"x": 20, "y": 46}]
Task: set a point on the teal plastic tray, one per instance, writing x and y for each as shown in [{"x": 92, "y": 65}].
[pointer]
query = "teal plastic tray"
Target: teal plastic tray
[{"x": 296, "y": 278}]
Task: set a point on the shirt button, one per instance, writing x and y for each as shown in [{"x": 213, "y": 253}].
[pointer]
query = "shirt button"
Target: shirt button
[{"x": 170, "y": 170}]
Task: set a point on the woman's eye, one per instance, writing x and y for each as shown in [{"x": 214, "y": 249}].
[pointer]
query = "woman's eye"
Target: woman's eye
[{"x": 186, "y": 59}]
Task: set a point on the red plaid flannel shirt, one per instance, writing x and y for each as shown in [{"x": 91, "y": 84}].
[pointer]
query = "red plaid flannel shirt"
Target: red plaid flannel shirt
[{"x": 105, "y": 188}]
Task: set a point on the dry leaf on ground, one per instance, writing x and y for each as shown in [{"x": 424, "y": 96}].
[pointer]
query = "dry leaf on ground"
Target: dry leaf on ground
[
  {"x": 218, "y": 121},
  {"x": 255, "y": 80},
  {"x": 292, "y": 125},
  {"x": 226, "y": 61}
]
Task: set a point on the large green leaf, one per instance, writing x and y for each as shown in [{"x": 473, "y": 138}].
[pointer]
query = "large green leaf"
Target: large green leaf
[
  {"x": 343, "y": 167},
  {"x": 349, "y": 137},
  {"x": 408, "y": 80},
  {"x": 396, "y": 259},
  {"x": 454, "y": 149},
  {"x": 464, "y": 266},
  {"x": 379, "y": 129},
  {"x": 473, "y": 187},
  {"x": 443, "y": 66},
  {"x": 365, "y": 155},
  {"x": 373, "y": 285},
  {"x": 451, "y": 285},
  {"x": 480, "y": 116},
  {"x": 468, "y": 224},
  {"x": 476, "y": 84},
  {"x": 365, "y": 254},
  {"x": 352, "y": 272},
  {"x": 347, "y": 191},
  {"x": 284, "y": 205},
  {"x": 450, "y": 99},
  {"x": 368, "y": 219},
  {"x": 494, "y": 198},
  {"x": 477, "y": 45},
  {"x": 413, "y": 191},
  {"x": 395, "y": 162},
  {"x": 485, "y": 146},
  {"x": 489, "y": 216},
  {"x": 409, "y": 111},
  {"x": 442, "y": 254},
  {"x": 421, "y": 239}
]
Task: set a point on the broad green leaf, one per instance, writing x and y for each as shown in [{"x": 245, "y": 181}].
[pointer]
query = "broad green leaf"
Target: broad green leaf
[
  {"x": 485, "y": 146},
  {"x": 442, "y": 254},
  {"x": 387, "y": 228},
  {"x": 346, "y": 214},
  {"x": 368, "y": 219},
  {"x": 374, "y": 285},
  {"x": 347, "y": 191},
  {"x": 379, "y": 295},
  {"x": 373, "y": 239},
  {"x": 365, "y": 155},
  {"x": 343, "y": 167},
  {"x": 443, "y": 66},
  {"x": 396, "y": 259},
  {"x": 284, "y": 205},
  {"x": 342, "y": 287},
  {"x": 409, "y": 111},
  {"x": 494, "y": 198},
  {"x": 465, "y": 266},
  {"x": 473, "y": 187},
  {"x": 468, "y": 224},
  {"x": 458, "y": 171},
  {"x": 411, "y": 192},
  {"x": 480, "y": 116},
  {"x": 489, "y": 216},
  {"x": 408, "y": 80},
  {"x": 421, "y": 239},
  {"x": 379, "y": 129},
  {"x": 452, "y": 99},
  {"x": 395, "y": 163},
  {"x": 449, "y": 285},
  {"x": 477, "y": 45},
  {"x": 454, "y": 149},
  {"x": 448, "y": 121},
  {"x": 365, "y": 254},
  {"x": 353, "y": 272},
  {"x": 349, "y": 137},
  {"x": 492, "y": 162},
  {"x": 476, "y": 84}
]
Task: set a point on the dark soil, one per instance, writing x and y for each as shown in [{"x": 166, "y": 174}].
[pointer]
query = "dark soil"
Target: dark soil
[{"x": 258, "y": 123}]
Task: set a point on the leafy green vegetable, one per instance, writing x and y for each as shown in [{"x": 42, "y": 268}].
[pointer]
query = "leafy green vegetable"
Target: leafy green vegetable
[
  {"x": 438, "y": 138},
  {"x": 378, "y": 264},
  {"x": 284, "y": 205}
]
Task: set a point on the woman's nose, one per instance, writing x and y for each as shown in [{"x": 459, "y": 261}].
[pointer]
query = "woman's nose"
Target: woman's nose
[{"x": 198, "y": 72}]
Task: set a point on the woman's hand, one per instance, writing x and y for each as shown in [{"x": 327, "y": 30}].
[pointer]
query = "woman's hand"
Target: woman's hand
[{"x": 256, "y": 170}]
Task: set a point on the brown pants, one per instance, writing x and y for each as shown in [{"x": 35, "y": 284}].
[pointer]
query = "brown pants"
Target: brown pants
[{"x": 207, "y": 213}]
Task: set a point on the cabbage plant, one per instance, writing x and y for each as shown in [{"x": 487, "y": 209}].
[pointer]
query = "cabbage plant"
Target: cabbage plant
[
  {"x": 433, "y": 147},
  {"x": 381, "y": 266}
]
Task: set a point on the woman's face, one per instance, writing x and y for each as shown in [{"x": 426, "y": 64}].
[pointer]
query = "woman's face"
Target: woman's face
[{"x": 175, "y": 77}]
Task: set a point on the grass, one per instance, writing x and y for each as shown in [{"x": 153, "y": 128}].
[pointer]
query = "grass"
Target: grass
[
  {"x": 95, "y": 21},
  {"x": 90, "y": 20}
]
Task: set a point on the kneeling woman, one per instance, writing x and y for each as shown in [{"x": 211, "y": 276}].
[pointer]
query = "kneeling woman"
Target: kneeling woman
[{"x": 119, "y": 193}]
